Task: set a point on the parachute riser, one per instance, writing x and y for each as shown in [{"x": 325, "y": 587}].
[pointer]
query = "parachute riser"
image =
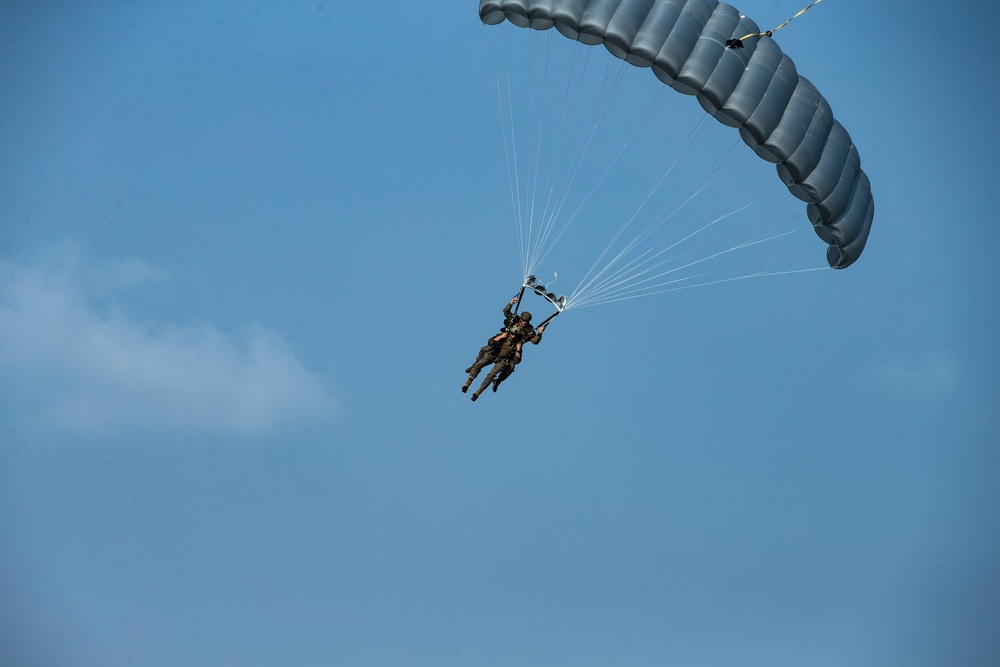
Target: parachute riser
[
  {"x": 548, "y": 319},
  {"x": 520, "y": 295}
]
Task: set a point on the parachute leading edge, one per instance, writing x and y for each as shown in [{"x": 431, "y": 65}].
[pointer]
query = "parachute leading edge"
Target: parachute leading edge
[{"x": 780, "y": 114}]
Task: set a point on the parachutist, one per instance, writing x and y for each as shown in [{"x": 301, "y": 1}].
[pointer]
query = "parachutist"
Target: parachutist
[
  {"x": 507, "y": 358},
  {"x": 493, "y": 342},
  {"x": 503, "y": 350},
  {"x": 488, "y": 351}
]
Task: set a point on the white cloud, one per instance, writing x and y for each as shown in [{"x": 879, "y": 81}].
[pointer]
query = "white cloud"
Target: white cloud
[{"x": 71, "y": 364}]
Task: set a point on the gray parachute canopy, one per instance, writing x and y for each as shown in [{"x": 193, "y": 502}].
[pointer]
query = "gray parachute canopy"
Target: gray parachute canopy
[{"x": 780, "y": 115}]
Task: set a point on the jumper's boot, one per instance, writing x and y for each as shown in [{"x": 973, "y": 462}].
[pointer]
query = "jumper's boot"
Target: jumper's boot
[
  {"x": 482, "y": 387},
  {"x": 503, "y": 375},
  {"x": 468, "y": 383}
]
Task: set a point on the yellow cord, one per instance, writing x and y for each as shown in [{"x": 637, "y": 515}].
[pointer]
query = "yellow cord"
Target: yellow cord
[{"x": 738, "y": 43}]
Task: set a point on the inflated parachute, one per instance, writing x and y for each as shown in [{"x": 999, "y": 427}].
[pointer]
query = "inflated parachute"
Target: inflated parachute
[{"x": 780, "y": 115}]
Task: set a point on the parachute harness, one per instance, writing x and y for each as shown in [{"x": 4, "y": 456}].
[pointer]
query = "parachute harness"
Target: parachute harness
[{"x": 738, "y": 43}]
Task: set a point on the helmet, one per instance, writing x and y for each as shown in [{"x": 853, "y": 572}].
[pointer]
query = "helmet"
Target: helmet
[{"x": 526, "y": 316}]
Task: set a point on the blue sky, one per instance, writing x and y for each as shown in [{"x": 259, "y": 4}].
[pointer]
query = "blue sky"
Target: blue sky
[{"x": 246, "y": 252}]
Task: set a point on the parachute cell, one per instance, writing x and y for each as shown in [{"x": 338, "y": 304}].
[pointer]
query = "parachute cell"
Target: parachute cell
[{"x": 757, "y": 89}]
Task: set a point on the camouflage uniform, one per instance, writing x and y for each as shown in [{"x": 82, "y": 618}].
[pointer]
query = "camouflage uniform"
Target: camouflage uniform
[
  {"x": 519, "y": 332},
  {"x": 487, "y": 353},
  {"x": 501, "y": 370},
  {"x": 505, "y": 372},
  {"x": 503, "y": 351}
]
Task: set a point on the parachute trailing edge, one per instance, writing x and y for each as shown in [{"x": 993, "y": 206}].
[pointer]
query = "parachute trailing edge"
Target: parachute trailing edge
[{"x": 757, "y": 89}]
